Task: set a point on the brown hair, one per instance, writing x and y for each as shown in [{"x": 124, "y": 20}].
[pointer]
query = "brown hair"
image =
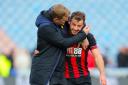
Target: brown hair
[
  {"x": 58, "y": 11},
  {"x": 78, "y": 16}
]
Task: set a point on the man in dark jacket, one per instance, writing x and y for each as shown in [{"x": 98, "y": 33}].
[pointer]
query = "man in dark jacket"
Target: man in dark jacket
[{"x": 51, "y": 45}]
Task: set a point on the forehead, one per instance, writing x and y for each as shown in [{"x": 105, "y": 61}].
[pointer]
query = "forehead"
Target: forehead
[{"x": 79, "y": 22}]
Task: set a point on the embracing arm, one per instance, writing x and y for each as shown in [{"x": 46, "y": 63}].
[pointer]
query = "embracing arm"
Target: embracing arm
[{"x": 51, "y": 35}]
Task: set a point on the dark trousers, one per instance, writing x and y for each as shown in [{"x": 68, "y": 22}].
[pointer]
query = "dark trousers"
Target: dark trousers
[
  {"x": 58, "y": 79},
  {"x": 79, "y": 81}
]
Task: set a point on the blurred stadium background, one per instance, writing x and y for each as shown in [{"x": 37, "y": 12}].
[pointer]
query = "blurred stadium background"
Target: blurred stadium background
[{"x": 107, "y": 18}]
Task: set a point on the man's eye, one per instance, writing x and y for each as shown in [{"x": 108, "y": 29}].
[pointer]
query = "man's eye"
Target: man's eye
[
  {"x": 73, "y": 24},
  {"x": 79, "y": 25}
]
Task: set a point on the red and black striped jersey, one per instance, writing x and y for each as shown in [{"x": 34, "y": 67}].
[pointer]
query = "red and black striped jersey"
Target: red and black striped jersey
[{"x": 76, "y": 59}]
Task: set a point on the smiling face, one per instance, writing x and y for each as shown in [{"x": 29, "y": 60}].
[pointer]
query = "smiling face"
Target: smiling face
[
  {"x": 76, "y": 22},
  {"x": 76, "y": 26}
]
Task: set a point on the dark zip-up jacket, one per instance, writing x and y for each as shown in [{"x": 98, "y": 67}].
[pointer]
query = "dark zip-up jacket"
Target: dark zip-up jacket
[{"x": 50, "y": 43}]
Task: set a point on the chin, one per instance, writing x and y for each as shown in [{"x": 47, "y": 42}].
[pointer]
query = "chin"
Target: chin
[{"x": 74, "y": 33}]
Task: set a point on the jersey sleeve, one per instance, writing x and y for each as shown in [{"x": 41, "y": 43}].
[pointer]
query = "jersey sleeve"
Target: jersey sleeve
[{"x": 92, "y": 41}]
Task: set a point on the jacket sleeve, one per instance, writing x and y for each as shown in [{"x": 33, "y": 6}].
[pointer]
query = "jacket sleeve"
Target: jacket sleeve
[{"x": 51, "y": 35}]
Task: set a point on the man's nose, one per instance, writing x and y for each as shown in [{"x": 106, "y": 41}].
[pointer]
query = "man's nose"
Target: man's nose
[{"x": 77, "y": 28}]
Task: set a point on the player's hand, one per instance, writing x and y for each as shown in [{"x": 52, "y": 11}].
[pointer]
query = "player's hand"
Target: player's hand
[
  {"x": 86, "y": 29},
  {"x": 103, "y": 79},
  {"x": 35, "y": 52},
  {"x": 85, "y": 44}
]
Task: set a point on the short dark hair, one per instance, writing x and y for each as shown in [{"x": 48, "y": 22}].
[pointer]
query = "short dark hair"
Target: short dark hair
[
  {"x": 58, "y": 11},
  {"x": 78, "y": 16}
]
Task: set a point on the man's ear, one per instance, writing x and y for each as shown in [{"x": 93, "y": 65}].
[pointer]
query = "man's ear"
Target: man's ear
[
  {"x": 69, "y": 20},
  {"x": 55, "y": 19}
]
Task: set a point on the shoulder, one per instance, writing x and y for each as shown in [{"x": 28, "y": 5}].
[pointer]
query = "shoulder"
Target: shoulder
[
  {"x": 90, "y": 34},
  {"x": 47, "y": 28}
]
